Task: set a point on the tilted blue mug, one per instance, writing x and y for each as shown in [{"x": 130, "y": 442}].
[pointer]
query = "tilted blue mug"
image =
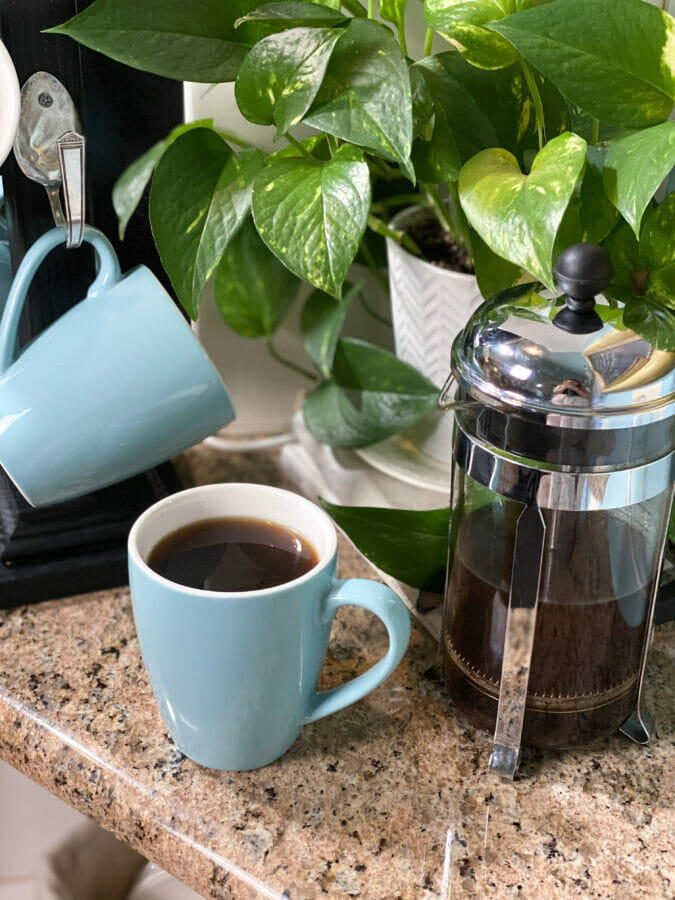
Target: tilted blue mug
[
  {"x": 235, "y": 673},
  {"x": 117, "y": 384}
]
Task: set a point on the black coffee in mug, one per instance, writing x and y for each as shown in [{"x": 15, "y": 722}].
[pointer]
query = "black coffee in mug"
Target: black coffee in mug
[{"x": 233, "y": 554}]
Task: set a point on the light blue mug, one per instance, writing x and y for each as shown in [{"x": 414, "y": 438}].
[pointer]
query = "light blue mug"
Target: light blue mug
[
  {"x": 235, "y": 673},
  {"x": 116, "y": 385}
]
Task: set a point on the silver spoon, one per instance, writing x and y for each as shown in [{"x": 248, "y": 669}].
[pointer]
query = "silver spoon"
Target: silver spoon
[{"x": 47, "y": 111}]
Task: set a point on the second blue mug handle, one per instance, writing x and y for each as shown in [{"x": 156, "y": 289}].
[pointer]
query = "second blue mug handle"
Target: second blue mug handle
[
  {"x": 108, "y": 274},
  {"x": 388, "y": 607}
]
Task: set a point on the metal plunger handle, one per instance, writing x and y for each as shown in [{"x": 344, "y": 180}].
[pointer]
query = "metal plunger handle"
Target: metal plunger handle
[{"x": 521, "y": 620}]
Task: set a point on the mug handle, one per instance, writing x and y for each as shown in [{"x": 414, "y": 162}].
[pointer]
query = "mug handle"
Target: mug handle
[
  {"x": 108, "y": 275},
  {"x": 388, "y": 607}
]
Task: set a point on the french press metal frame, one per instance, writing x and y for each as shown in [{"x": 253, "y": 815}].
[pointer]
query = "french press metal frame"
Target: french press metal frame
[{"x": 555, "y": 490}]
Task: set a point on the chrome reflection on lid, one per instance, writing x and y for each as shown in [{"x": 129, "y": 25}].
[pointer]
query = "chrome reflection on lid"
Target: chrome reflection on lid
[{"x": 511, "y": 354}]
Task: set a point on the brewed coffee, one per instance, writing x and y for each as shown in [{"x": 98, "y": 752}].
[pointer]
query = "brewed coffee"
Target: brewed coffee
[
  {"x": 233, "y": 554},
  {"x": 588, "y": 636}
]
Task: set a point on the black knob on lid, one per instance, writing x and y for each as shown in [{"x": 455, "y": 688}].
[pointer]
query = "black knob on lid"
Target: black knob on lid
[{"x": 582, "y": 271}]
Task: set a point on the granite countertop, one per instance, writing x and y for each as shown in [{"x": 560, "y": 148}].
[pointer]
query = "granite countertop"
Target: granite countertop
[{"x": 387, "y": 799}]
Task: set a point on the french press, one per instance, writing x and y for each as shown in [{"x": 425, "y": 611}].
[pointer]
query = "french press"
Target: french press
[{"x": 562, "y": 483}]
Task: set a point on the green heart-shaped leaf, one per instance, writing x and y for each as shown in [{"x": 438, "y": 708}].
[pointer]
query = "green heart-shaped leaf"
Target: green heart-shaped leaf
[
  {"x": 652, "y": 320},
  {"x": 200, "y": 196},
  {"x": 253, "y": 290},
  {"x": 461, "y": 128},
  {"x": 373, "y": 395},
  {"x": 614, "y": 58},
  {"x": 493, "y": 273},
  {"x": 185, "y": 41},
  {"x": 281, "y": 75},
  {"x": 131, "y": 184},
  {"x": 321, "y": 323},
  {"x": 230, "y": 205},
  {"x": 462, "y": 22},
  {"x": 624, "y": 253},
  {"x": 657, "y": 244},
  {"x": 662, "y": 286},
  {"x": 394, "y": 11},
  {"x": 312, "y": 214},
  {"x": 365, "y": 97},
  {"x": 518, "y": 215},
  {"x": 634, "y": 168},
  {"x": 476, "y": 110},
  {"x": 182, "y": 188},
  {"x": 410, "y": 545},
  {"x": 597, "y": 215},
  {"x": 293, "y": 14},
  {"x": 422, "y": 106}
]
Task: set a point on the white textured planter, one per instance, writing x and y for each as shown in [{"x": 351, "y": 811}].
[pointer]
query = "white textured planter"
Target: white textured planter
[{"x": 430, "y": 306}]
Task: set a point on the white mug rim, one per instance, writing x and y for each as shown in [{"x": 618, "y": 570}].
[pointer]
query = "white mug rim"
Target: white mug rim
[{"x": 188, "y": 494}]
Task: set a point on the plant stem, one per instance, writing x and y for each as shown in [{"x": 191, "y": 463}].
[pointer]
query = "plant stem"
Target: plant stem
[
  {"x": 399, "y": 200},
  {"x": 536, "y": 99},
  {"x": 298, "y": 146},
  {"x": 401, "y": 37},
  {"x": 380, "y": 168},
  {"x": 371, "y": 9},
  {"x": 428, "y": 38},
  {"x": 595, "y": 131},
  {"x": 373, "y": 313},
  {"x": 233, "y": 139},
  {"x": 435, "y": 201},
  {"x": 333, "y": 144},
  {"x": 450, "y": 215},
  {"x": 462, "y": 233},
  {"x": 375, "y": 270},
  {"x": 378, "y": 226},
  {"x": 355, "y": 8},
  {"x": 274, "y": 353}
]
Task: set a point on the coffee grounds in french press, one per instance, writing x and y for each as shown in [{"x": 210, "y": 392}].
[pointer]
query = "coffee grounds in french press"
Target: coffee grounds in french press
[{"x": 582, "y": 271}]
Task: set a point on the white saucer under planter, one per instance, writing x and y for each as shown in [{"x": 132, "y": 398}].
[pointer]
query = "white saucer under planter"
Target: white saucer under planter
[{"x": 430, "y": 305}]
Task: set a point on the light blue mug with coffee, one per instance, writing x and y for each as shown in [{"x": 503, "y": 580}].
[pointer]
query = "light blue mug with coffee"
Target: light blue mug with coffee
[
  {"x": 117, "y": 384},
  {"x": 235, "y": 673}
]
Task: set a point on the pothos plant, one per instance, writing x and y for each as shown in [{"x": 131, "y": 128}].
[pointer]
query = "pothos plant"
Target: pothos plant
[{"x": 545, "y": 122}]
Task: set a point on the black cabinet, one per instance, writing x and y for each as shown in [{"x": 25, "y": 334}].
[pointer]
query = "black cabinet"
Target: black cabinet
[{"x": 78, "y": 546}]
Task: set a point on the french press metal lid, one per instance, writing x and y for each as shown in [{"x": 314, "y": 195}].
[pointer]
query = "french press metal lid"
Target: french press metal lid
[{"x": 560, "y": 407}]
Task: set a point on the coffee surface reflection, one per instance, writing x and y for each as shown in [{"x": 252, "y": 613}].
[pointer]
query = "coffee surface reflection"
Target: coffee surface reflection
[{"x": 233, "y": 554}]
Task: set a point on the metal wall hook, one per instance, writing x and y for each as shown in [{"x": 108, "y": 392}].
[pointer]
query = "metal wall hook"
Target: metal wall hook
[{"x": 71, "y": 158}]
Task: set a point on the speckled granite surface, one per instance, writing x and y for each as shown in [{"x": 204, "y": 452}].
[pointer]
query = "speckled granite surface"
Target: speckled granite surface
[{"x": 387, "y": 799}]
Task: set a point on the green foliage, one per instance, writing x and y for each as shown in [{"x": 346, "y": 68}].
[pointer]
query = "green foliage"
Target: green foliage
[
  {"x": 613, "y": 58},
  {"x": 410, "y": 545},
  {"x": 188, "y": 41},
  {"x": 131, "y": 184},
  {"x": 253, "y": 289},
  {"x": 644, "y": 276},
  {"x": 335, "y": 199},
  {"x": 322, "y": 320},
  {"x": 635, "y": 166},
  {"x": 281, "y": 75},
  {"x": 493, "y": 131},
  {"x": 293, "y": 15},
  {"x": 370, "y": 396},
  {"x": 365, "y": 97},
  {"x": 493, "y": 189},
  {"x": 465, "y": 23},
  {"x": 192, "y": 236}
]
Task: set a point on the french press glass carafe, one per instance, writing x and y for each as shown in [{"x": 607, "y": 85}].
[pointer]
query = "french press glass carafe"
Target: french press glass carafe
[{"x": 562, "y": 482}]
